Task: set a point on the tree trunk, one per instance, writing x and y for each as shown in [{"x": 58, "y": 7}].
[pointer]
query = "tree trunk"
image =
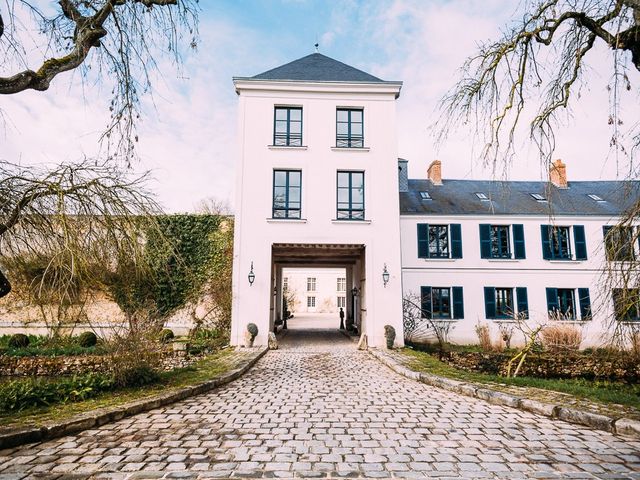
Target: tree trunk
[{"x": 5, "y": 286}]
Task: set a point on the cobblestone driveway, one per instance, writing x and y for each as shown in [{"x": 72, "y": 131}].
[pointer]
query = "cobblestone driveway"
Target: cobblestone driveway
[{"x": 324, "y": 409}]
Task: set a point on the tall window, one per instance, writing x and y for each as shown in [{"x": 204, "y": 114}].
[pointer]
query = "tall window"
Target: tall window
[
  {"x": 342, "y": 284},
  {"x": 350, "y": 196},
  {"x": 311, "y": 302},
  {"x": 626, "y": 304},
  {"x": 504, "y": 303},
  {"x": 349, "y": 128},
  {"x": 566, "y": 303},
  {"x": 619, "y": 243},
  {"x": 286, "y": 193},
  {"x": 311, "y": 284},
  {"x": 441, "y": 302},
  {"x": 500, "y": 245},
  {"x": 560, "y": 244},
  {"x": 341, "y": 302},
  {"x": 556, "y": 242},
  {"x": 287, "y": 128},
  {"x": 438, "y": 241},
  {"x": 285, "y": 284}
]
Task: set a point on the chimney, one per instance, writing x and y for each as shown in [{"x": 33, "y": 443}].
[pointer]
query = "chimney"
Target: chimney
[
  {"x": 434, "y": 172},
  {"x": 403, "y": 175},
  {"x": 558, "y": 174}
]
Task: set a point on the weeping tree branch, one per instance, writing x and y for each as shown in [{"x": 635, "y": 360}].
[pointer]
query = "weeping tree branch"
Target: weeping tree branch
[{"x": 126, "y": 36}]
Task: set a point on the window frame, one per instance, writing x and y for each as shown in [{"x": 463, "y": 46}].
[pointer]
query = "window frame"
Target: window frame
[
  {"x": 286, "y": 209},
  {"x": 311, "y": 284},
  {"x": 349, "y": 138},
  {"x": 553, "y": 238},
  {"x": 311, "y": 301},
  {"x": 288, "y": 136},
  {"x": 350, "y": 210},
  {"x": 498, "y": 238},
  {"x": 615, "y": 293},
  {"x": 341, "y": 284},
  {"x": 441, "y": 316},
  {"x": 440, "y": 253},
  {"x": 341, "y": 301},
  {"x": 507, "y": 311},
  {"x": 613, "y": 234},
  {"x": 563, "y": 295}
]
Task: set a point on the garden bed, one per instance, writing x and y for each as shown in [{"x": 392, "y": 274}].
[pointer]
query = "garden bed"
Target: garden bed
[{"x": 599, "y": 364}]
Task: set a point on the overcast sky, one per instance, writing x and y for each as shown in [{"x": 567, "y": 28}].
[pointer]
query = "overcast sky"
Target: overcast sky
[{"x": 188, "y": 132}]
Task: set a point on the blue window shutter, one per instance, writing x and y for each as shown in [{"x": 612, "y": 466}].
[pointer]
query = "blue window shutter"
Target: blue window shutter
[
  {"x": 455, "y": 229},
  {"x": 458, "y": 303},
  {"x": 490, "y": 302},
  {"x": 485, "y": 240},
  {"x": 425, "y": 301},
  {"x": 585, "y": 303},
  {"x": 580, "y": 242},
  {"x": 518, "y": 241},
  {"x": 546, "y": 242},
  {"x": 552, "y": 300},
  {"x": 423, "y": 240},
  {"x": 523, "y": 302}
]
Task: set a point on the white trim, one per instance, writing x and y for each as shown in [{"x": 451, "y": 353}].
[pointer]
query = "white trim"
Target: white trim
[
  {"x": 365, "y": 222},
  {"x": 287, "y": 147},
  {"x": 286, "y": 220},
  {"x": 350, "y": 149}
]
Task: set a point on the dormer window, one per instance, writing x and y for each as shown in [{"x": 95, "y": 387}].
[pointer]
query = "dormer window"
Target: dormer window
[
  {"x": 538, "y": 198},
  {"x": 595, "y": 197},
  {"x": 425, "y": 196},
  {"x": 482, "y": 196}
]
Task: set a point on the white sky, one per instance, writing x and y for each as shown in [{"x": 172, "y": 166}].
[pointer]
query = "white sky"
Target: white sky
[{"x": 187, "y": 136}]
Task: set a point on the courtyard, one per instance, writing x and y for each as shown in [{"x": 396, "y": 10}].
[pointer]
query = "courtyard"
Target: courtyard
[{"x": 317, "y": 407}]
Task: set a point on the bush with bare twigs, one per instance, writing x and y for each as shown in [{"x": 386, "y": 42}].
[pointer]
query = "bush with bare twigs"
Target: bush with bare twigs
[
  {"x": 561, "y": 337},
  {"x": 484, "y": 337}
]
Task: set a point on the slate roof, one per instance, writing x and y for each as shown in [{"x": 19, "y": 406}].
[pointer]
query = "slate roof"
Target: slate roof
[
  {"x": 458, "y": 197},
  {"x": 320, "y": 68}
]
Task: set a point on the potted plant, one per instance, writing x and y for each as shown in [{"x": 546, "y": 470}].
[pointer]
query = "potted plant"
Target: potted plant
[
  {"x": 252, "y": 333},
  {"x": 390, "y": 335}
]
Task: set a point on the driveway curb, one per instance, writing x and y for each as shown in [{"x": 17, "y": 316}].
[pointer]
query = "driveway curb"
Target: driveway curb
[
  {"x": 96, "y": 418},
  {"x": 620, "y": 426}
]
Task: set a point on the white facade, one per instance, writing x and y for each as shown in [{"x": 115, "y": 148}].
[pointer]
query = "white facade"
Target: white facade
[
  {"x": 315, "y": 290},
  {"x": 362, "y": 247}
]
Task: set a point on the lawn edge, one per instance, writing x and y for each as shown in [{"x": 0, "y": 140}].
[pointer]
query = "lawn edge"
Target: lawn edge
[
  {"x": 98, "y": 417},
  {"x": 616, "y": 425}
]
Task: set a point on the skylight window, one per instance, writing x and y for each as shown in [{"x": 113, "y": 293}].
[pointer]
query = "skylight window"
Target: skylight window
[
  {"x": 538, "y": 197},
  {"x": 482, "y": 196},
  {"x": 425, "y": 196},
  {"x": 595, "y": 197}
]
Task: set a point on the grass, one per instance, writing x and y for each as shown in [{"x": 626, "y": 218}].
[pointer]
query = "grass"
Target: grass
[
  {"x": 41, "y": 345},
  {"x": 206, "y": 369},
  {"x": 600, "y": 391}
]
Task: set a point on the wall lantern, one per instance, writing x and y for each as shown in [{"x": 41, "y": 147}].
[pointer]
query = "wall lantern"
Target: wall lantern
[
  {"x": 251, "y": 276},
  {"x": 385, "y": 275},
  {"x": 354, "y": 291}
]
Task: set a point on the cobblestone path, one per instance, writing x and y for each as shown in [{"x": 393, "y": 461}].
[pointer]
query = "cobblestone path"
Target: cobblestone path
[{"x": 324, "y": 409}]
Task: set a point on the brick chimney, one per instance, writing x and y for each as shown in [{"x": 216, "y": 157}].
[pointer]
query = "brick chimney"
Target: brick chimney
[
  {"x": 434, "y": 172},
  {"x": 558, "y": 174}
]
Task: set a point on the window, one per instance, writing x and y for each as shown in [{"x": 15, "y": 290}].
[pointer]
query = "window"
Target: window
[
  {"x": 311, "y": 302},
  {"x": 560, "y": 245},
  {"x": 482, "y": 196},
  {"x": 619, "y": 243},
  {"x": 341, "y": 284},
  {"x": 496, "y": 241},
  {"x": 286, "y": 193},
  {"x": 504, "y": 302},
  {"x": 556, "y": 242},
  {"x": 500, "y": 302},
  {"x": 538, "y": 197},
  {"x": 349, "y": 128},
  {"x": 285, "y": 284},
  {"x": 287, "y": 128},
  {"x": 439, "y": 241},
  {"x": 561, "y": 303},
  {"x": 341, "y": 302},
  {"x": 311, "y": 284},
  {"x": 595, "y": 197},
  {"x": 425, "y": 196},
  {"x": 626, "y": 304},
  {"x": 442, "y": 302},
  {"x": 350, "y": 196}
]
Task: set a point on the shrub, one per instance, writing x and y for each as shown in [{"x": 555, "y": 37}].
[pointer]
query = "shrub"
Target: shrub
[
  {"x": 19, "y": 340},
  {"x": 137, "y": 376},
  {"x": 252, "y": 328},
  {"x": 87, "y": 339},
  {"x": 166, "y": 335},
  {"x": 484, "y": 337},
  {"x": 559, "y": 337}
]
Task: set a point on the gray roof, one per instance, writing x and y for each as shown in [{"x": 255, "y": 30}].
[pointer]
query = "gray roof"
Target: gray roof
[
  {"x": 458, "y": 197},
  {"x": 318, "y": 67}
]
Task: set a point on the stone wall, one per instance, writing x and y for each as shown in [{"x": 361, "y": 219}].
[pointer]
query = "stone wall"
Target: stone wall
[{"x": 78, "y": 364}]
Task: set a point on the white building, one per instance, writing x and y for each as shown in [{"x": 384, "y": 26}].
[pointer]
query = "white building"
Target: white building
[
  {"x": 319, "y": 185},
  {"x": 315, "y": 290}
]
